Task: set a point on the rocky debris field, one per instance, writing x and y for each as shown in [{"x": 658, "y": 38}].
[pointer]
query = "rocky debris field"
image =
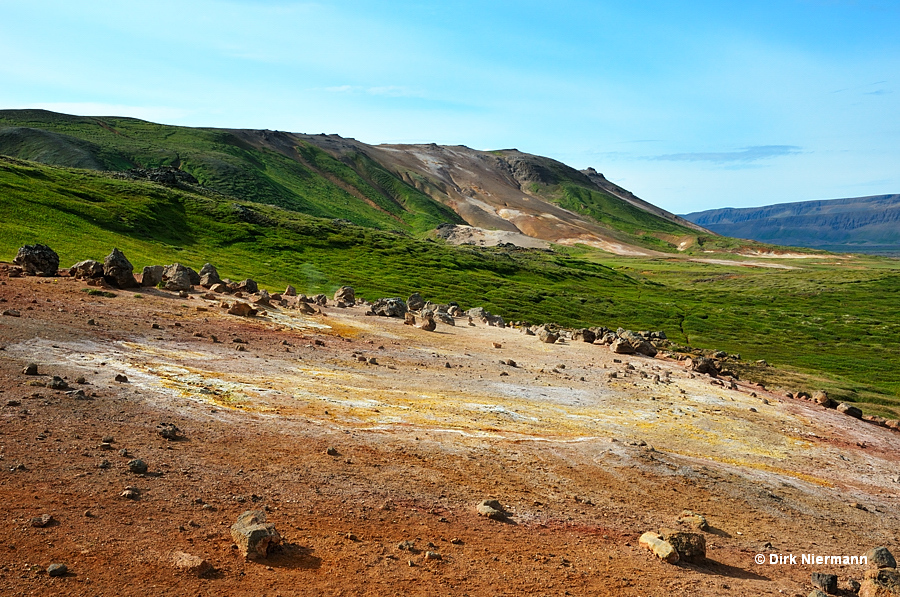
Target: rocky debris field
[{"x": 152, "y": 441}]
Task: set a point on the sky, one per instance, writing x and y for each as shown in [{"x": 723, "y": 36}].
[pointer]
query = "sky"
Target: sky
[{"x": 690, "y": 105}]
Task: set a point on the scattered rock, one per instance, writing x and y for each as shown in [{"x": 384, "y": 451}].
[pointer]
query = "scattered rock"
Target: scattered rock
[
  {"x": 12, "y": 313},
  {"x": 492, "y": 509},
  {"x": 825, "y": 582},
  {"x": 850, "y": 411},
  {"x": 698, "y": 521},
  {"x": 703, "y": 365},
  {"x": 346, "y": 295},
  {"x": 55, "y": 570},
  {"x": 30, "y": 369},
  {"x": 289, "y": 291},
  {"x": 660, "y": 548},
  {"x": 432, "y": 555},
  {"x": 42, "y": 521},
  {"x": 409, "y": 319},
  {"x": 881, "y": 582},
  {"x": 241, "y": 309},
  {"x": 817, "y": 593},
  {"x": 547, "y": 335},
  {"x": 496, "y": 344},
  {"x": 131, "y": 493},
  {"x": 176, "y": 277},
  {"x": 121, "y": 378},
  {"x": 389, "y": 307},
  {"x": 137, "y": 466},
  {"x": 822, "y": 399},
  {"x": 331, "y": 451},
  {"x": 168, "y": 431},
  {"x": 880, "y": 557},
  {"x": 58, "y": 383},
  {"x": 620, "y": 346},
  {"x": 37, "y": 260},
  {"x": 87, "y": 269},
  {"x": 690, "y": 546},
  {"x": 253, "y": 536},
  {"x": 428, "y": 323},
  {"x": 190, "y": 564},
  {"x": 152, "y": 276},
  {"x": 415, "y": 302},
  {"x": 209, "y": 276},
  {"x": 118, "y": 271},
  {"x": 247, "y": 286}
]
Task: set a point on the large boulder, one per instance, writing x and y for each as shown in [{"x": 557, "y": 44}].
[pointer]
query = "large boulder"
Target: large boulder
[
  {"x": 248, "y": 286},
  {"x": 637, "y": 342},
  {"x": 37, "y": 260},
  {"x": 209, "y": 276},
  {"x": 118, "y": 271},
  {"x": 253, "y": 536},
  {"x": 850, "y": 411},
  {"x": 176, "y": 277},
  {"x": 703, "y": 365},
  {"x": 415, "y": 302},
  {"x": 880, "y": 582},
  {"x": 880, "y": 557},
  {"x": 151, "y": 275},
  {"x": 87, "y": 269},
  {"x": 547, "y": 335},
  {"x": 346, "y": 295},
  {"x": 690, "y": 546},
  {"x": 621, "y": 346},
  {"x": 390, "y": 307},
  {"x": 585, "y": 335}
]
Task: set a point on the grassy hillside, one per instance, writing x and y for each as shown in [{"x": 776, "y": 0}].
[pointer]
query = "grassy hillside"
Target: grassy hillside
[
  {"x": 299, "y": 178},
  {"x": 830, "y": 324}
]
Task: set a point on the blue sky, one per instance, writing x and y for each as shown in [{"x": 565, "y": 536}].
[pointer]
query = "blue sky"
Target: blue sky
[{"x": 690, "y": 105}]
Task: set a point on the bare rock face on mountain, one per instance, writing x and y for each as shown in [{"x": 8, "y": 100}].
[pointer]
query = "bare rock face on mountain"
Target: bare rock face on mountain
[
  {"x": 37, "y": 260},
  {"x": 118, "y": 271}
]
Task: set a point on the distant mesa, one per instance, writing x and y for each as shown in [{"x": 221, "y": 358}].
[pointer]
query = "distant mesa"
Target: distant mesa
[{"x": 858, "y": 225}]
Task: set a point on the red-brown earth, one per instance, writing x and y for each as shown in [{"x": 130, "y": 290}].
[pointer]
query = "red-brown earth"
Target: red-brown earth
[{"x": 585, "y": 463}]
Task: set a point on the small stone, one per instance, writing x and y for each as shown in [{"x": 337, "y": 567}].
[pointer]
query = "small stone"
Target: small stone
[
  {"x": 432, "y": 555},
  {"x": 130, "y": 493},
  {"x": 190, "y": 564},
  {"x": 496, "y": 345},
  {"x": 850, "y": 411},
  {"x": 492, "y": 509},
  {"x": 168, "y": 431},
  {"x": 817, "y": 593},
  {"x": 331, "y": 451},
  {"x": 42, "y": 521},
  {"x": 698, "y": 521},
  {"x": 30, "y": 369},
  {"x": 253, "y": 535},
  {"x": 104, "y": 464},
  {"x": 57, "y": 570},
  {"x": 661, "y": 549},
  {"x": 121, "y": 378},
  {"x": 137, "y": 466}
]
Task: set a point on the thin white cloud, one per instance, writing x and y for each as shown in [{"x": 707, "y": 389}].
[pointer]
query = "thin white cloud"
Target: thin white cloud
[{"x": 745, "y": 155}]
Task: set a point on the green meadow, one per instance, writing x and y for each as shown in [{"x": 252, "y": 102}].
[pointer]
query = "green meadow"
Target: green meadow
[{"x": 828, "y": 323}]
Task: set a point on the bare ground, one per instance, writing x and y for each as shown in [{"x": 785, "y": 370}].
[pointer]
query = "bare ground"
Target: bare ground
[{"x": 585, "y": 463}]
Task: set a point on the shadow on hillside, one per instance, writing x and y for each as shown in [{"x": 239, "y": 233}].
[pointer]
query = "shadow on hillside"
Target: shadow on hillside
[{"x": 293, "y": 556}]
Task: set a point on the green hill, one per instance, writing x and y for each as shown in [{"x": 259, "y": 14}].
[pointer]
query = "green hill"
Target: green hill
[{"x": 830, "y": 324}]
